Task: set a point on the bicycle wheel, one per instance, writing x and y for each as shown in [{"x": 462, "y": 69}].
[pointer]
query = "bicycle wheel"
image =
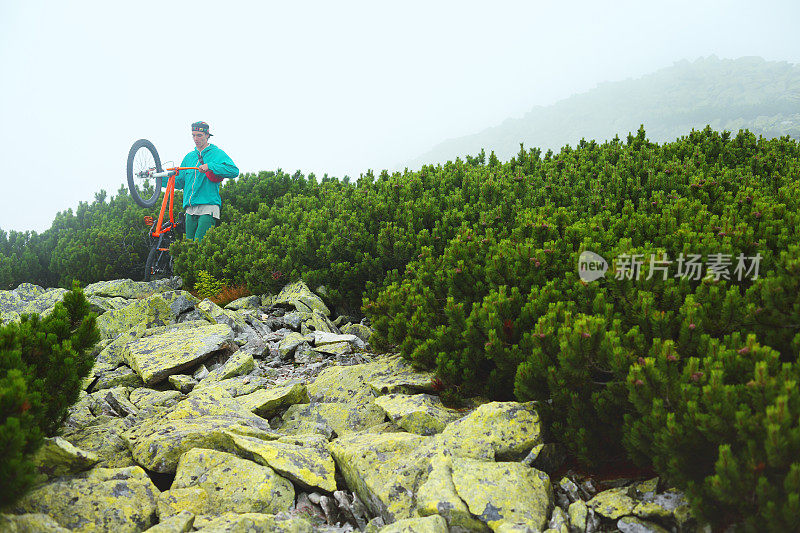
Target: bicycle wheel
[
  {"x": 158, "y": 265},
  {"x": 142, "y": 160}
]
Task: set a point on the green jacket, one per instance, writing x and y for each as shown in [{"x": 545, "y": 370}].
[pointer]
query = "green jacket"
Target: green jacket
[{"x": 201, "y": 188}]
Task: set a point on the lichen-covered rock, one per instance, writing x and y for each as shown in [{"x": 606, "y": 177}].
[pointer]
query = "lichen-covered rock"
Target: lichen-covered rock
[
  {"x": 102, "y": 499},
  {"x": 122, "y": 376},
  {"x": 58, "y": 457},
  {"x": 251, "y": 522},
  {"x": 9, "y": 316},
  {"x": 631, "y": 524},
  {"x": 28, "y": 291},
  {"x": 669, "y": 505},
  {"x": 504, "y": 492},
  {"x": 156, "y": 310},
  {"x": 179, "y": 523},
  {"x": 290, "y": 342},
  {"x": 385, "y": 470},
  {"x": 422, "y": 414},
  {"x": 182, "y": 382},
  {"x": 217, "y": 314},
  {"x": 233, "y": 484},
  {"x": 302, "y": 419},
  {"x": 243, "y": 385},
  {"x": 359, "y": 330},
  {"x": 238, "y": 364},
  {"x": 308, "y": 466},
  {"x": 398, "y": 376},
  {"x": 578, "y": 514},
  {"x": 336, "y": 348},
  {"x": 429, "y": 524},
  {"x": 144, "y": 398},
  {"x": 202, "y": 420},
  {"x": 343, "y": 418},
  {"x": 304, "y": 354},
  {"x": 613, "y": 503},
  {"x": 176, "y": 501},
  {"x": 559, "y": 521},
  {"x": 322, "y": 338},
  {"x": 438, "y": 496},
  {"x": 44, "y": 303},
  {"x": 301, "y": 298},
  {"x": 345, "y": 399},
  {"x": 245, "y": 302},
  {"x": 318, "y": 322},
  {"x": 27, "y": 299},
  {"x": 310, "y": 440},
  {"x": 102, "y": 304},
  {"x": 104, "y": 438},
  {"x": 115, "y": 402},
  {"x": 113, "y": 354},
  {"x": 155, "y": 358},
  {"x": 30, "y": 523},
  {"x": 129, "y": 289},
  {"x": 267, "y": 402},
  {"x": 496, "y": 430}
]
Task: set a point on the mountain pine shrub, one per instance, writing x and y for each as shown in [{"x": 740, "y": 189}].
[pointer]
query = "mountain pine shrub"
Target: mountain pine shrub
[{"x": 43, "y": 361}]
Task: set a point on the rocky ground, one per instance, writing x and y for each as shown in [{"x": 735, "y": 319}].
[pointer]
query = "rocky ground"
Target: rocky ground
[{"x": 269, "y": 416}]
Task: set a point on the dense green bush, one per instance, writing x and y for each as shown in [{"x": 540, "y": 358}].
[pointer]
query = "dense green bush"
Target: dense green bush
[
  {"x": 105, "y": 239},
  {"x": 502, "y": 308},
  {"x": 723, "y": 419},
  {"x": 471, "y": 268},
  {"x": 42, "y": 364},
  {"x": 207, "y": 285}
]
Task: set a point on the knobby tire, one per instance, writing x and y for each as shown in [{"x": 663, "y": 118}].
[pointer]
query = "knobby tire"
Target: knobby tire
[{"x": 143, "y": 144}]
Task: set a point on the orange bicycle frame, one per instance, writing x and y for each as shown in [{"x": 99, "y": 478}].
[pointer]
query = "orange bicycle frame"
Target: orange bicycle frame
[{"x": 169, "y": 196}]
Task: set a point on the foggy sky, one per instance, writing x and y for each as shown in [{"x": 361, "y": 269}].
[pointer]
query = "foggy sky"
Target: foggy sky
[{"x": 323, "y": 87}]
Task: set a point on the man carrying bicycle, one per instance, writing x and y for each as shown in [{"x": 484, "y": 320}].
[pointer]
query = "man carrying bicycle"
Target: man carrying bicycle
[{"x": 201, "y": 199}]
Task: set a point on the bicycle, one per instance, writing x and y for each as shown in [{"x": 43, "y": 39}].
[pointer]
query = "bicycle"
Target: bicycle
[{"x": 144, "y": 165}]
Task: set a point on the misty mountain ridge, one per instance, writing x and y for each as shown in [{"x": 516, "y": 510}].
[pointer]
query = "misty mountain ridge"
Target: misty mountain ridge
[{"x": 728, "y": 94}]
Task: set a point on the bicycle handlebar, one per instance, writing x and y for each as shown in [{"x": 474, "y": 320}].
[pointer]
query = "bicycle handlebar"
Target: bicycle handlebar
[{"x": 171, "y": 171}]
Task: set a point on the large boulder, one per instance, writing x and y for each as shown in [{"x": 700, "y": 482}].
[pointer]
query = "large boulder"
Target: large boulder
[
  {"x": 422, "y": 414},
  {"x": 28, "y": 298},
  {"x": 308, "y": 466},
  {"x": 100, "y": 435},
  {"x": 182, "y": 522},
  {"x": 102, "y": 499},
  {"x": 155, "y": 358},
  {"x": 129, "y": 289},
  {"x": 494, "y": 431},
  {"x": 301, "y": 298},
  {"x": 230, "y": 483},
  {"x": 216, "y": 314},
  {"x": 498, "y": 493},
  {"x": 57, "y": 457},
  {"x": 157, "y": 310},
  {"x": 267, "y": 402},
  {"x": 30, "y": 523},
  {"x": 438, "y": 496},
  {"x": 385, "y": 470},
  {"x": 430, "y": 524},
  {"x": 205, "y": 419},
  {"x": 345, "y": 395},
  {"x": 252, "y": 522},
  {"x": 245, "y": 302},
  {"x": 238, "y": 364}
]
